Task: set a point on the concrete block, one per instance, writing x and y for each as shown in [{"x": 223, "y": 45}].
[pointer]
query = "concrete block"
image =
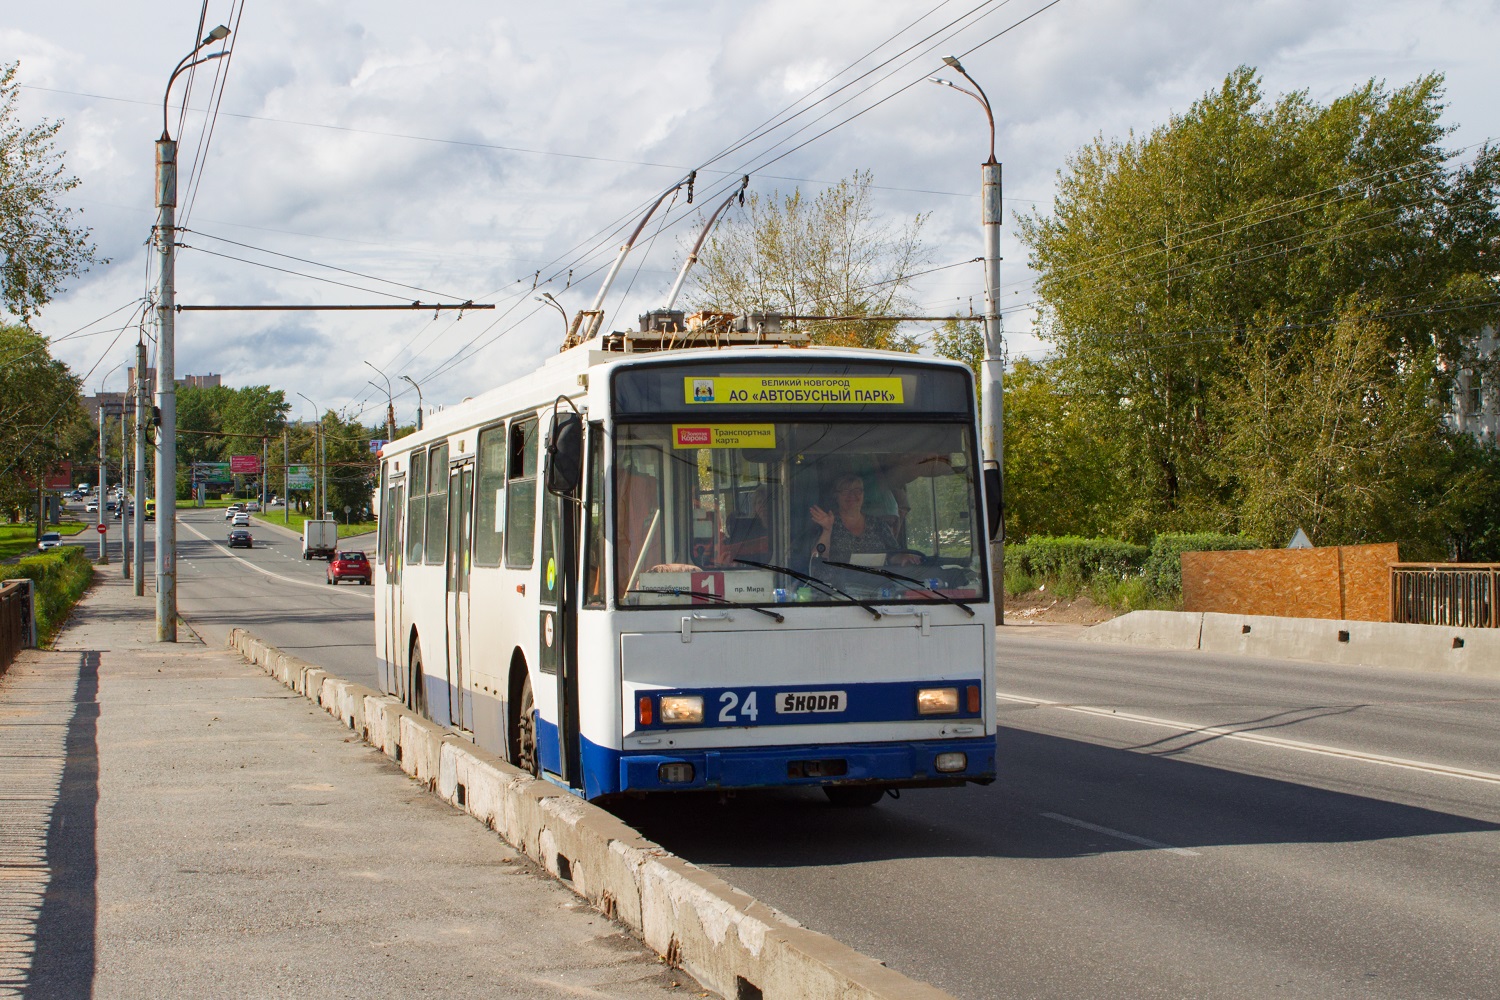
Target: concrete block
[
  {"x": 1160, "y": 629},
  {"x": 1356, "y": 643}
]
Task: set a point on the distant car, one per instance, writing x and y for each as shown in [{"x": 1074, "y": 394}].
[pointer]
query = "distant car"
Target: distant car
[
  {"x": 50, "y": 540},
  {"x": 349, "y": 566},
  {"x": 253, "y": 505},
  {"x": 239, "y": 537},
  {"x": 242, "y": 520},
  {"x": 93, "y": 507},
  {"x": 232, "y": 510}
]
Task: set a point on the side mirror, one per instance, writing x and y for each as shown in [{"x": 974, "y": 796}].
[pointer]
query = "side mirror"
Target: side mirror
[
  {"x": 565, "y": 454},
  {"x": 994, "y": 503}
]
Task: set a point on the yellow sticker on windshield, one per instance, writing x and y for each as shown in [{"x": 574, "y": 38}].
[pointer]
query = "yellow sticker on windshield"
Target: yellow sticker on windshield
[
  {"x": 723, "y": 435},
  {"x": 793, "y": 390}
]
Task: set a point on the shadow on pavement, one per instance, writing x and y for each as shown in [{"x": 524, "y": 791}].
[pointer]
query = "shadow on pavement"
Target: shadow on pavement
[
  {"x": 1172, "y": 801},
  {"x": 63, "y": 964}
]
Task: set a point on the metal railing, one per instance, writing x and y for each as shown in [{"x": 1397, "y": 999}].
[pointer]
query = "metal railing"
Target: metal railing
[
  {"x": 1456, "y": 594},
  {"x": 17, "y": 620}
]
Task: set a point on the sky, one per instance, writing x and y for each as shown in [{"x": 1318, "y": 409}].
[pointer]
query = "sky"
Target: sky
[{"x": 456, "y": 151}]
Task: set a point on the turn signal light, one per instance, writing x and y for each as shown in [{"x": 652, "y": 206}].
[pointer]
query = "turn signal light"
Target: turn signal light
[
  {"x": 644, "y": 712},
  {"x": 675, "y": 773},
  {"x": 973, "y": 692}
]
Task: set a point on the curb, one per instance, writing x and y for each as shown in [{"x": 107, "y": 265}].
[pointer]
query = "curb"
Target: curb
[
  {"x": 1428, "y": 648},
  {"x": 725, "y": 938}
]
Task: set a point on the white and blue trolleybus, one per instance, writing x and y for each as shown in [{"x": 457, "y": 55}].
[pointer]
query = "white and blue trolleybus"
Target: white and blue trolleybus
[{"x": 677, "y": 562}]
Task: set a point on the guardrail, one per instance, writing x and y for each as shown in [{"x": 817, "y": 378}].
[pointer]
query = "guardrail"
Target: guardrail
[
  {"x": 17, "y": 620},
  {"x": 1463, "y": 595}
]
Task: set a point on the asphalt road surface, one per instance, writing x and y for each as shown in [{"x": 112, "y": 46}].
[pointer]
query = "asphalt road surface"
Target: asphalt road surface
[{"x": 1165, "y": 824}]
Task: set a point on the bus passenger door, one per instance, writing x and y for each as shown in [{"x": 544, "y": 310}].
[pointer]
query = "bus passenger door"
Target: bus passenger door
[
  {"x": 395, "y": 630},
  {"x": 460, "y": 536},
  {"x": 559, "y": 623}
]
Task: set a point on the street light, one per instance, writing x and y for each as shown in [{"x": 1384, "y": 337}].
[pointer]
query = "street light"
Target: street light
[
  {"x": 549, "y": 300},
  {"x": 420, "y": 404},
  {"x": 318, "y": 456},
  {"x": 166, "y": 364},
  {"x": 390, "y": 404},
  {"x": 992, "y": 369}
]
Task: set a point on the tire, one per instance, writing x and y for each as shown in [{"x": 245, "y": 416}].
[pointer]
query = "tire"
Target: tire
[
  {"x": 854, "y": 796},
  {"x": 328, "y": 580},
  {"x": 417, "y": 689},
  {"x": 523, "y": 753}
]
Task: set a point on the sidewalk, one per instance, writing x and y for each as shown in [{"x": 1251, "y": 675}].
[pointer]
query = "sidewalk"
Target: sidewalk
[{"x": 175, "y": 823}]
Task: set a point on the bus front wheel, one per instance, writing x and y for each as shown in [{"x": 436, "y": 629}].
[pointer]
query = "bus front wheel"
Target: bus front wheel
[
  {"x": 854, "y": 795},
  {"x": 523, "y": 745}
]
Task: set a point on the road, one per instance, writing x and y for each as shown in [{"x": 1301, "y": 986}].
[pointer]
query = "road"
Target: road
[{"x": 1165, "y": 824}]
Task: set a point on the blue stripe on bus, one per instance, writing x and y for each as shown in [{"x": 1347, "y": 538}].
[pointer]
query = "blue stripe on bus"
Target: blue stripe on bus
[
  {"x": 608, "y": 772},
  {"x": 889, "y": 701}
]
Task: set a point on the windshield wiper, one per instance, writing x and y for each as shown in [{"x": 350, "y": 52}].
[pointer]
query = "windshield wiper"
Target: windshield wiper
[
  {"x": 705, "y": 595},
  {"x": 904, "y": 579},
  {"x": 822, "y": 585}
]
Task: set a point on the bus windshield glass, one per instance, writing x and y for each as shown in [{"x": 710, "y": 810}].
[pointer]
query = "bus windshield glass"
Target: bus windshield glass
[{"x": 714, "y": 511}]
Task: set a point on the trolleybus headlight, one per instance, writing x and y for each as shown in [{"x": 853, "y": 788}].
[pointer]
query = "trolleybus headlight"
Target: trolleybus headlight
[
  {"x": 934, "y": 701},
  {"x": 951, "y": 761},
  {"x": 677, "y": 709}
]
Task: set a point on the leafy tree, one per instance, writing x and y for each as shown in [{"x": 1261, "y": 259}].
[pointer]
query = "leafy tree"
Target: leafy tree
[
  {"x": 827, "y": 256},
  {"x": 40, "y": 408},
  {"x": 1251, "y": 247},
  {"x": 351, "y": 465},
  {"x": 42, "y": 247}
]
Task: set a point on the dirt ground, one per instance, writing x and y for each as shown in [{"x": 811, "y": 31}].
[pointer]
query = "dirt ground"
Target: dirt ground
[{"x": 1044, "y": 608}]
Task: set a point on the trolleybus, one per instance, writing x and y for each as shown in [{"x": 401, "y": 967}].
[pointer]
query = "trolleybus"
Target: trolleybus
[{"x": 737, "y": 565}]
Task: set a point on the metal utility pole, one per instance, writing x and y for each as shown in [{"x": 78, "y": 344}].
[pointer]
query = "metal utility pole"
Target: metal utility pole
[
  {"x": 286, "y": 479},
  {"x": 323, "y": 468},
  {"x": 992, "y": 368},
  {"x": 139, "y": 515},
  {"x": 263, "y": 475},
  {"x": 390, "y": 405},
  {"x": 166, "y": 364},
  {"x": 125, "y": 514},
  {"x": 103, "y": 485}
]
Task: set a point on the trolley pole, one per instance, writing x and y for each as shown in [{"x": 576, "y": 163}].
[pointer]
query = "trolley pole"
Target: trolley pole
[
  {"x": 139, "y": 515},
  {"x": 166, "y": 395}
]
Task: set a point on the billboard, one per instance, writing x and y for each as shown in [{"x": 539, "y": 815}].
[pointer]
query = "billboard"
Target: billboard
[
  {"x": 244, "y": 465},
  {"x": 211, "y": 472},
  {"x": 299, "y": 477}
]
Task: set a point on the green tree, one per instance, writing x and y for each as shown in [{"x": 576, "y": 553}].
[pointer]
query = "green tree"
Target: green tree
[
  {"x": 40, "y": 410},
  {"x": 1185, "y": 271},
  {"x": 351, "y": 465},
  {"x": 825, "y": 256},
  {"x": 41, "y": 244}
]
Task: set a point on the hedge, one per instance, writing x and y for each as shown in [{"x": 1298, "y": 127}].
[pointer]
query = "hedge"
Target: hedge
[
  {"x": 59, "y": 578},
  {"x": 1075, "y": 559},
  {"x": 1163, "y": 567}
]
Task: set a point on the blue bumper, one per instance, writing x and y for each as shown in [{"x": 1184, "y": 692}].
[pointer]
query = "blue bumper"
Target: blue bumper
[{"x": 903, "y": 763}]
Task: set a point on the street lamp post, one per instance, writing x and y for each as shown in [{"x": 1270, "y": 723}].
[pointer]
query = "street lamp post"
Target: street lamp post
[
  {"x": 992, "y": 368},
  {"x": 420, "y": 404},
  {"x": 321, "y": 474},
  {"x": 390, "y": 404},
  {"x": 166, "y": 362}
]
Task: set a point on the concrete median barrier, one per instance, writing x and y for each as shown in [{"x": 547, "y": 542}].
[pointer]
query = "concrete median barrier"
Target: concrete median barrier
[
  {"x": 1436, "y": 648},
  {"x": 728, "y": 940}
]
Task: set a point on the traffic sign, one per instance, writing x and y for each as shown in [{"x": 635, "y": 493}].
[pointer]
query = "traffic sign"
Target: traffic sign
[{"x": 102, "y": 528}]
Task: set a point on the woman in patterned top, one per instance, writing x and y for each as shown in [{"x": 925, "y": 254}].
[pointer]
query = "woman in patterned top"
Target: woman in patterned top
[{"x": 849, "y": 531}]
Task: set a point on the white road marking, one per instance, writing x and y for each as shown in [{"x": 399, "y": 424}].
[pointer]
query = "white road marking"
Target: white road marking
[
  {"x": 1279, "y": 742},
  {"x": 278, "y": 576},
  {"x": 1155, "y": 845}
]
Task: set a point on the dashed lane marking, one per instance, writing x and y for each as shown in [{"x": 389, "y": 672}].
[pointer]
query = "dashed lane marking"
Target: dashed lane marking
[
  {"x": 278, "y": 576},
  {"x": 1155, "y": 845},
  {"x": 1279, "y": 742}
]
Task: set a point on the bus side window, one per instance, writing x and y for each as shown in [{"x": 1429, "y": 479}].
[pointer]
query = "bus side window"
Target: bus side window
[
  {"x": 416, "y": 507},
  {"x": 520, "y": 495},
  {"x": 437, "y": 504},
  {"x": 593, "y": 512},
  {"x": 489, "y": 501}
]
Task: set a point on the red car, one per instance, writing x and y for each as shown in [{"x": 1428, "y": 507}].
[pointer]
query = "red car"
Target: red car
[{"x": 349, "y": 566}]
